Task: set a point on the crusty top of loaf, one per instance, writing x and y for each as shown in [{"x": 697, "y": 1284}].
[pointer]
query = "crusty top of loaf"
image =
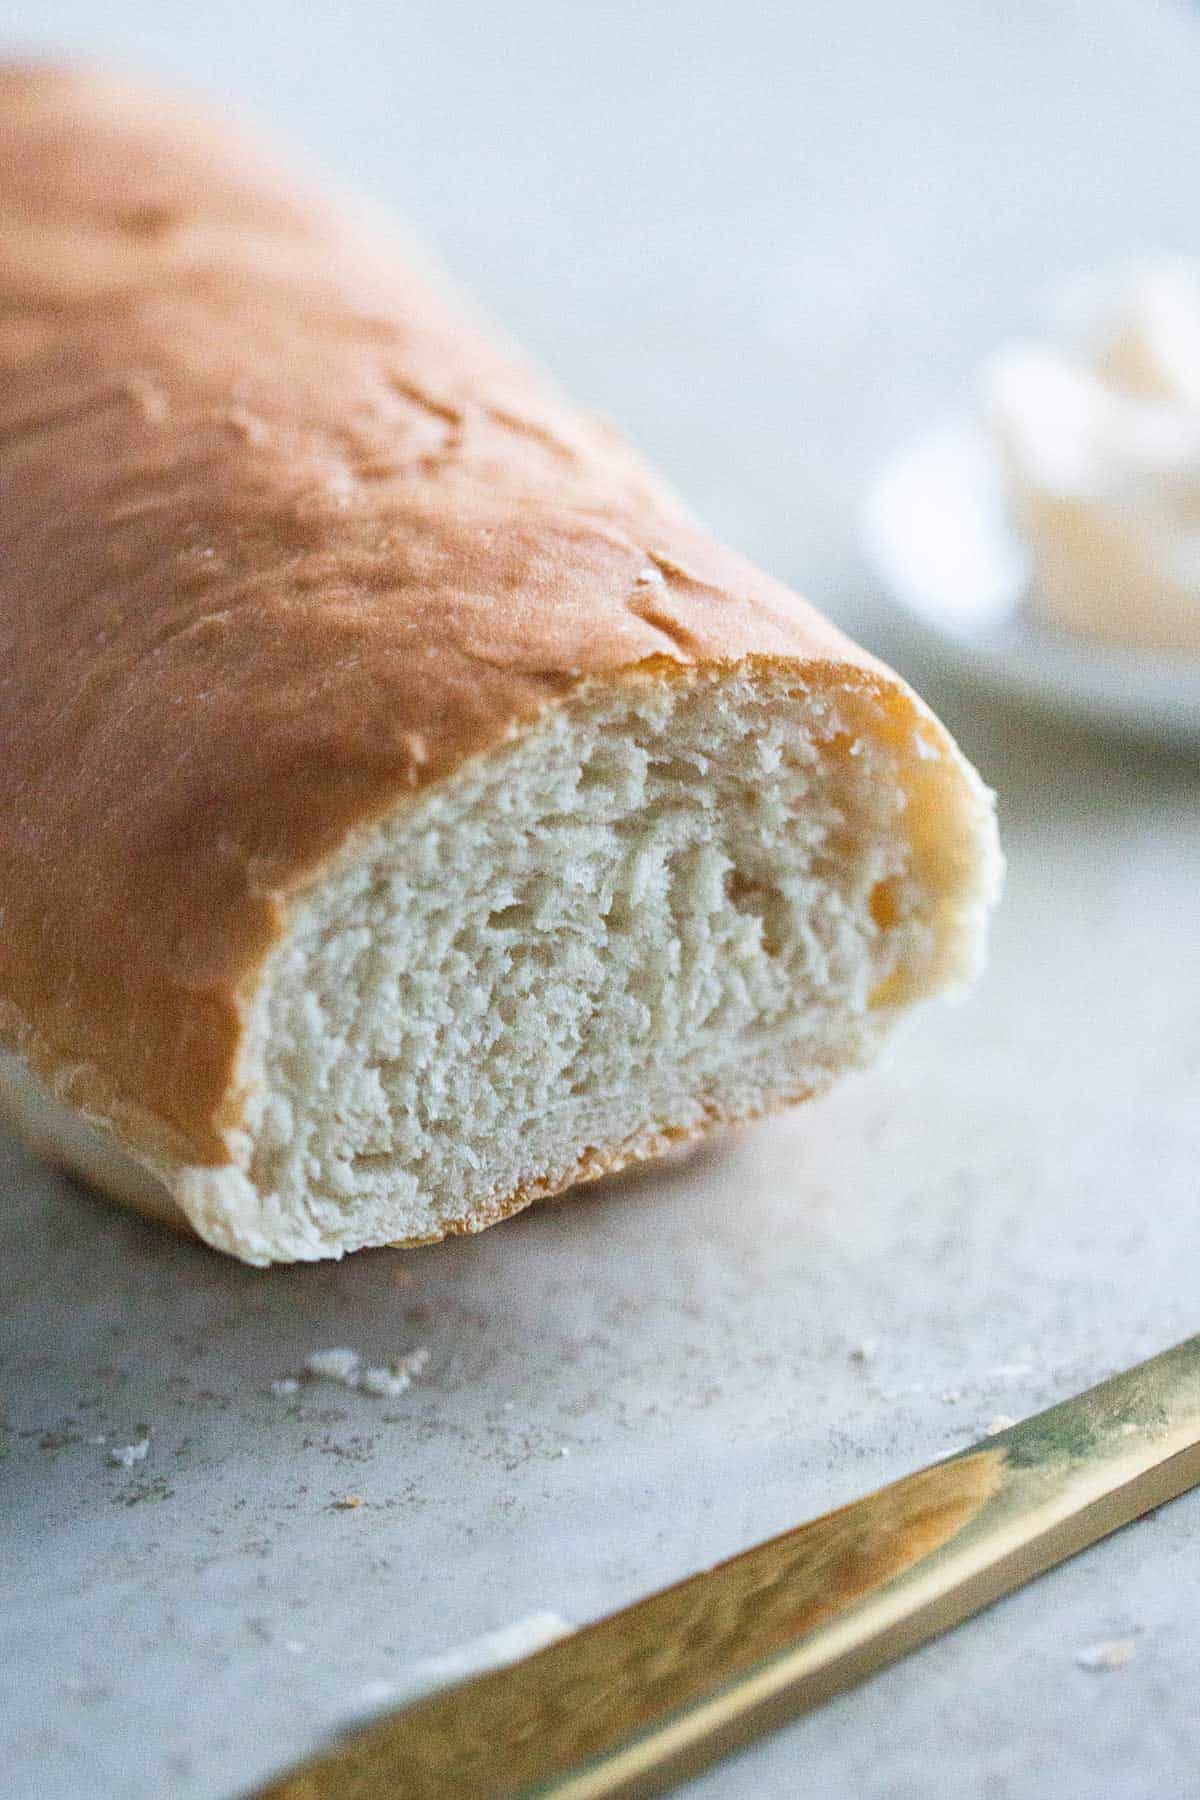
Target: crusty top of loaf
[{"x": 284, "y": 538}]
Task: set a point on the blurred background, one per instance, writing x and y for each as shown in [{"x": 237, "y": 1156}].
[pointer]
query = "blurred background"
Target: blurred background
[{"x": 772, "y": 241}]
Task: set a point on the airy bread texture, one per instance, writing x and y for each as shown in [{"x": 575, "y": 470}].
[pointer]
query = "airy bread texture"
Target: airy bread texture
[{"x": 407, "y": 810}]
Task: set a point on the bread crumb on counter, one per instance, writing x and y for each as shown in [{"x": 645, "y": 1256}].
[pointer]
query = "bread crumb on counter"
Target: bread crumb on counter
[
  {"x": 129, "y": 1454},
  {"x": 346, "y": 1368},
  {"x": 393, "y": 1378},
  {"x": 1110, "y": 1653},
  {"x": 340, "y": 1365}
]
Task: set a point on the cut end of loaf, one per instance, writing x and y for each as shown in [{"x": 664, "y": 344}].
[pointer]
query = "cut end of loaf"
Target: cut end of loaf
[
  {"x": 669, "y": 904},
  {"x": 334, "y": 558}
]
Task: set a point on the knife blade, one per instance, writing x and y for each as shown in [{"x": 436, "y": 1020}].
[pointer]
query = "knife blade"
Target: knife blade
[{"x": 635, "y": 1703}]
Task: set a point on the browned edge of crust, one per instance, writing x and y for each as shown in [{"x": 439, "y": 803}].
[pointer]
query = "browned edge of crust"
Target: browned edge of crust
[{"x": 596, "y": 1165}]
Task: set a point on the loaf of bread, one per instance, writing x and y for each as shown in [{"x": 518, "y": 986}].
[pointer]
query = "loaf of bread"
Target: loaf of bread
[{"x": 406, "y": 809}]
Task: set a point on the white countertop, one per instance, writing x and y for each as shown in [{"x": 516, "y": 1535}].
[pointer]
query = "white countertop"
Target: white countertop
[{"x": 771, "y": 240}]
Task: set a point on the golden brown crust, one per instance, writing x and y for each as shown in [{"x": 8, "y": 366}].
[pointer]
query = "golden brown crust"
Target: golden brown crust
[
  {"x": 284, "y": 539},
  {"x": 599, "y": 1165}
]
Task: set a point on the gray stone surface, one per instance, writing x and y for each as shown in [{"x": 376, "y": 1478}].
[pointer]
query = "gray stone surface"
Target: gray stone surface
[{"x": 771, "y": 240}]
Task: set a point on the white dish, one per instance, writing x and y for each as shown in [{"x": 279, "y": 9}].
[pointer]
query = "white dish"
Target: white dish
[{"x": 936, "y": 533}]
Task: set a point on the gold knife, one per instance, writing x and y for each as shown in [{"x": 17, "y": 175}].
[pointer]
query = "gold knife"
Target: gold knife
[{"x": 637, "y": 1702}]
